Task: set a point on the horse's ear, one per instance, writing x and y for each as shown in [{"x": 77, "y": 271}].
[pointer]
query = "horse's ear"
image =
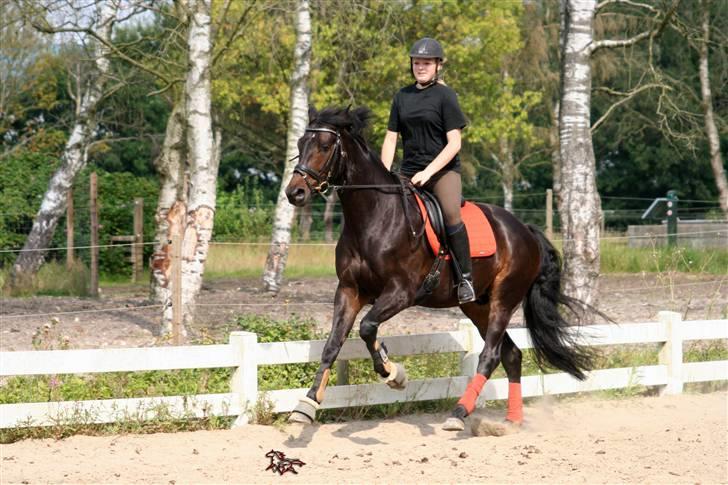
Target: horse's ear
[
  {"x": 347, "y": 109},
  {"x": 361, "y": 115},
  {"x": 312, "y": 113}
]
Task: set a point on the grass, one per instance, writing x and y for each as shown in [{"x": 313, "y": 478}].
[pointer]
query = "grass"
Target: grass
[
  {"x": 246, "y": 260},
  {"x": 249, "y": 260},
  {"x": 119, "y": 385}
]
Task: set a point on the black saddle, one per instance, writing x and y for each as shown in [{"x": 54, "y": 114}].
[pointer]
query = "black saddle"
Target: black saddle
[{"x": 434, "y": 213}]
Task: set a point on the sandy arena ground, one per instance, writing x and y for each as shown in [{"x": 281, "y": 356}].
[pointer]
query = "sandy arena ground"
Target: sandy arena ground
[{"x": 675, "y": 439}]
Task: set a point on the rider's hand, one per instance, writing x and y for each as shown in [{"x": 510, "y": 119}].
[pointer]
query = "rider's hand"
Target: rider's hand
[{"x": 420, "y": 178}]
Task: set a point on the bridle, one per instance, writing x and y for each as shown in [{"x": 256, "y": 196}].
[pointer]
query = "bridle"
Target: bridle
[{"x": 322, "y": 177}]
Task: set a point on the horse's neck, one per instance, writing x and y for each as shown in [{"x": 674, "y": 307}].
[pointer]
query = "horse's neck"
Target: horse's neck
[{"x": 364, "y": 207}]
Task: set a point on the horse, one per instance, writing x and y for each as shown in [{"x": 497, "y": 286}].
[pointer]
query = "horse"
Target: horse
[{"x": 382, "y": 260}]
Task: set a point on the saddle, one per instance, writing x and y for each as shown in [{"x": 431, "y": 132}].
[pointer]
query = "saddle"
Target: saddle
[
  {"x": 480, "y": 236},
  {"x": 480, "y": 233}
]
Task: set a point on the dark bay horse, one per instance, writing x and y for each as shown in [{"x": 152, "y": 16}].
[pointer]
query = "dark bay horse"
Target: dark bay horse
[{"x": 382, "y": 259}]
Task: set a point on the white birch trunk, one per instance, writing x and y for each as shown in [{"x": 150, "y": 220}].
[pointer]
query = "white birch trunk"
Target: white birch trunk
[
  {"x": 170, "y": 215},
  {"x": 508, "y": 171},
  {"x": 579, "y": 204},
  {"x": 281, "y": 237},
  {"x": 202, "y": 154},
  {"x": 716, "y": 158},
  {"x": 555, "y": 149},
  {"x": 329, "y": 216},
  {"x": 73, "y": 159},
  {"x": 305, "y": 221}
]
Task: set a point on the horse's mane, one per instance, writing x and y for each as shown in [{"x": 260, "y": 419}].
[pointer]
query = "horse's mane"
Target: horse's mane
[{"x": 354, "y": 121}]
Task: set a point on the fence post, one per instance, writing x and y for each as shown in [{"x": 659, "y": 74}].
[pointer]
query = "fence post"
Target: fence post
[
  {"x": 137, "y": 249},
  {"x": 245, "y": 379},
  {"x": 550, "y": 214},
  {"x": 93, "y": 207},
  {"x": 176, "y": 289},
  {"x": 473, "y": 345},
  {"x": 69, "y": 228},
  {"x": 671, "y": 353},
  {"x": 342, "y": 372}
]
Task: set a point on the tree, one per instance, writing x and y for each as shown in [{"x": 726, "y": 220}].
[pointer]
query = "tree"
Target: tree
[
  {"x": 579, "y": 203},
  {"x": 89, "y": 95},
  {"x": 298, "y": 119},
  {"x": 711, "y": 131}
]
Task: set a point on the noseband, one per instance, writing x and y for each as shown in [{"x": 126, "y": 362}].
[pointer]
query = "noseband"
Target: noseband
[{"x": 322, "y": 178}]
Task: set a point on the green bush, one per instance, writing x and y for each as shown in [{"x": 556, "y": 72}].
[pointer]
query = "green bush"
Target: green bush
[
  {"x": 285, "y": 376},
  {"x": 243, "y": 214}
]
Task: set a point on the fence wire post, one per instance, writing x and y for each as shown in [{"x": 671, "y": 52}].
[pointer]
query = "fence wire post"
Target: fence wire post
[
  {"x": 177, "y": 317},
  {"x": 671, "y": 353},
  {"x": 473, "y": 345},
  {"x": 245, "y": 379},
  {"x": 69, "y": 229},
  {"x": 94, "y": 221}
]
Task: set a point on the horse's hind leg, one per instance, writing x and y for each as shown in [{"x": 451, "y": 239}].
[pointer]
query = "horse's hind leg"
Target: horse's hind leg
[
  {"x": 347, "y": 304},
  {"x": 491, "y": 321},
  {"x": 511, "y": 357}
]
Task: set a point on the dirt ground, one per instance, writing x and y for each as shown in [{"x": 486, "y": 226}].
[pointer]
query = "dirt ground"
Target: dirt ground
[
  {"x": 674, "y": 439},
  {"x": 124, "y": 317}
]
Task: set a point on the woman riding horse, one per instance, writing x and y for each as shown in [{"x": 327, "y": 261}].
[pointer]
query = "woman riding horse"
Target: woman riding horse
[
  {"x": 428, "y": 116},
  {"x": 382, "y": 260}
]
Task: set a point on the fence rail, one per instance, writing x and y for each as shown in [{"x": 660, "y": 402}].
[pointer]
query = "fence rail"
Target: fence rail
[{"x": 245, "y": 354}]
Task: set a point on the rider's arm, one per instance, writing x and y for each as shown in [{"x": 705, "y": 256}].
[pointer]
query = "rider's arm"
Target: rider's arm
[
  {"x": 447, "y": 154},
  {"x": 388, "y": 148}
]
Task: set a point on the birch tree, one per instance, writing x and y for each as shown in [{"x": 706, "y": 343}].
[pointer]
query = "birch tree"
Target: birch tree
[
  {"x": 281, "y": 237},
  {"x": 89, "y": 94},
  {"x": 579, "y": 203},
  {"x": 711, "y": 130}
]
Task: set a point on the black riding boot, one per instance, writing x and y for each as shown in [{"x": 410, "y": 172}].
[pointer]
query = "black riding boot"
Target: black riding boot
[{"x": 460, "y": 249}]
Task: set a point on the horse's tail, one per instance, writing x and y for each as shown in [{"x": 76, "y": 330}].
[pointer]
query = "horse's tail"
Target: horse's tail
[{"x": 554, "y": 344}]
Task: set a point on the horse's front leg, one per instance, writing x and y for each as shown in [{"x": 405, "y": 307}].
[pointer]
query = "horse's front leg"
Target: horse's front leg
[
  {"x": 389, "y": 303},
  {"x": 347, "y": 304}
]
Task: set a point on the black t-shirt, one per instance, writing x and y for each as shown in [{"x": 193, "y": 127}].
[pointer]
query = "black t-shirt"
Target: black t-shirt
[{"x": 423, "y": 117}]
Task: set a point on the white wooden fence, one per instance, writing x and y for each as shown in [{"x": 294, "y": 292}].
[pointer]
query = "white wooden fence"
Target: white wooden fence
[{"x": 244, "y": 353}]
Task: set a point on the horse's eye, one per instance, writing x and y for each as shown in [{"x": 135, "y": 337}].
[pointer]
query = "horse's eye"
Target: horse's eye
[{"x": 325, "y": 147}]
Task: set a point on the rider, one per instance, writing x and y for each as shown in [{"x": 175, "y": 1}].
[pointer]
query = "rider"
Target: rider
[{"x": 428, "y": 116}]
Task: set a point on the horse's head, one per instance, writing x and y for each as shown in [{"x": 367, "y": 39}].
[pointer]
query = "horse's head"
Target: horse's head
[{"x": 323, "y": 151}]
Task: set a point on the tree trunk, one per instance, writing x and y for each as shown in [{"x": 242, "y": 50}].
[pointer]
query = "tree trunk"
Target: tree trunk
[
  {"x": 555, "y": 149},
  {"x": 171, "y": 210},
  {"x": 579, "y": 204},
  {"x": 281, "y": 237},
  {"x": 73, "y": 159},
  {"x": 716, "y": 158},
  {"x": 508, "y": 171},
  {"x": 202, "y": 154},
  {"x": 329, "y": 216},
  {"x": 305, "y": 221}
]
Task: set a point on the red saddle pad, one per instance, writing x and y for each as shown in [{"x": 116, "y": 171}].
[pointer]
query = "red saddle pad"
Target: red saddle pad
[{"x": 480, "y": 234}]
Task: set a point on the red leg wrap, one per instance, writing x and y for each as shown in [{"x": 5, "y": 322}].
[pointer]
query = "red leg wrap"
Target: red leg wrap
[
  {"x": 515, "y": 403},
  {"x": 472, "y": 392}
]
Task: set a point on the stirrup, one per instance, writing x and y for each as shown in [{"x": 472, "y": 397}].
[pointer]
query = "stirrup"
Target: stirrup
[{"x": 466, "y": 292}]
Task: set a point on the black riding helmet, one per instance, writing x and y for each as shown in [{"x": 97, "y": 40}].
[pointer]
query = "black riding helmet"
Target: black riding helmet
[{"x": 427, "y": 47}]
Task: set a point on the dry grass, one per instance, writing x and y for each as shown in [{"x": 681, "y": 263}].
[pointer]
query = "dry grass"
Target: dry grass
[{"x": 248, "y": 259}]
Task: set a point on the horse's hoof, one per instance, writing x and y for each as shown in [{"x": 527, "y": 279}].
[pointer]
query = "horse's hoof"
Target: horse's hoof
[
  {"x": 397, "y": 378},
  {"x": 301, "y": 418},
  {"x": 305, "y": 411},
  {"x": 454, "y": 424}
]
